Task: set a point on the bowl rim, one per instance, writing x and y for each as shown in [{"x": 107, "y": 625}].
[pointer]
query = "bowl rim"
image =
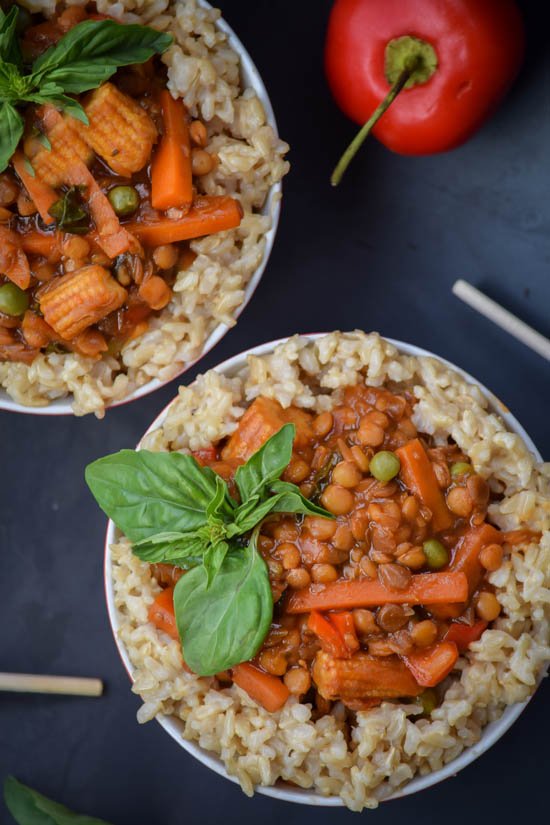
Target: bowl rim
[
  {"x": 491, "y": 732},
  {"x": 250, "y": 78}
]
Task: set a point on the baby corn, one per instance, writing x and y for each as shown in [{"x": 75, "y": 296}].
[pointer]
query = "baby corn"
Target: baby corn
[
  {"x": 363, "y": 676},
  {"x": 67, "y": 146},
  {"x": 81, "y": 299},
  {"x": 120, "y": 131}
]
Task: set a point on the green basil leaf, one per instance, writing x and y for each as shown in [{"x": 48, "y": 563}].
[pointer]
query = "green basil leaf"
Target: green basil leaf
[
  {"x": 28, "y": 807},
  {"x": 221, "y": 503},
  {"x": 93, "y": 50},
  {"x": 248, "y": 518},
  {"x": 51, "y": 93},
  {"x": 11, "y": 129},
  {"x": 266, "y": 464},
  {"x": 184, "y": 550},
  {"x": 290, "y": 500},
  {"x": 213, "y": 560},
  {"x": 224, "y": 624},
  {"x": 70, "y": 211},
  {"x": 10, "y": 51},
  {"x": 146, "y": 493}
]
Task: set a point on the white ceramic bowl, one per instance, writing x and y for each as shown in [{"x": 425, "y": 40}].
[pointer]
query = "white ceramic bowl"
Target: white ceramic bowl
[
  {"x": 250, "y": 79},
  {"x": 174, "y": 727}
]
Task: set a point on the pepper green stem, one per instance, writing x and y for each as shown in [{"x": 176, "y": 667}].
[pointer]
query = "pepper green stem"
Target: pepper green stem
[
  {"x": 409, "y": 62},
  {"x": 365, "y": 131}
]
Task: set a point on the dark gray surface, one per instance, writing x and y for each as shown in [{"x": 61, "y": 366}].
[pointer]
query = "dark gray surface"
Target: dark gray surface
[{"x": 380, "y": 253}]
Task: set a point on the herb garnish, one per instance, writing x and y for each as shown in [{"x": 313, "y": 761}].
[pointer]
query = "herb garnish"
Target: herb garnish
[
  {"x": 84, "y": 58},
  {"x": 28, "y": 807},
  {"x": 177, "y": 512},
  {"x": 70, "y": 212}
]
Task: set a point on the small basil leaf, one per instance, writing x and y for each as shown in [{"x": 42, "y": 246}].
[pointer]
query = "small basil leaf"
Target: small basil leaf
[
  {"x": 248, "y": 519},
  {"x": 291, "y": 500},
  {"x": 48, "y": 94},
  {"x": 145, "y": 493},
  {"x": 227, "y": 623},
  {"x": 184, "y": 550},
  {"x": 11, "y": 130},
  {"x": 266, "y": 464},
  {"x": 92, "y": 51},
  {"x": 70, "y": 212},
  {"x": 28, "y": 807},
  {"x": 9, "y": 42},
  {"x": 213, "y": 560},
  {"x": 221, "y": 503}
]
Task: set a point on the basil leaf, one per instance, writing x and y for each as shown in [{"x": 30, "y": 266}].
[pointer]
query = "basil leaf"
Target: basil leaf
[
  {"x": 221, "y": 504},
  {"x": 266, "y": 464},
  {"x": 10, "y": 51},
  {"x": 146, "y": 493},
  {"x": 290, "y": 500},
  {"x": 11, "y": 129},
  {"x": 248, "y": 518},
  {"x": 93, "y": 50},
  {"x": 70, "y": 212},
  {"x": 51, "y": 93},
  {"x": 28, "y": 807},
  {"x": 184, "y": 550},
  {"x": 213, "y": 560},
  {"x": 224, "y": 624}
]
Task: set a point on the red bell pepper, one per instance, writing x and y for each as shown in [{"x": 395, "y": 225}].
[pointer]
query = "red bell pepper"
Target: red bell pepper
[
  {"x": 450, "y": 62},
  {"x": 464, "y": 634}
]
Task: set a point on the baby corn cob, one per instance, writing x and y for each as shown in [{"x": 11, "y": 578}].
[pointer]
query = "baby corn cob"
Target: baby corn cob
[
  {"x": 363, "y": 676},
  {"x": 67, "y": 147},
  {"x": 76, "y": 301},
  {"x": 120, "y": 131}
]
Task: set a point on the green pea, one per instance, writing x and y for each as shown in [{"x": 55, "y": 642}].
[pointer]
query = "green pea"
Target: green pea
[
  {"x": 384, "y": 465},
  {"x": 428, "y": 700},
  {"x": 13, "y": 301},
  {"x": 436, "y": 554},
  {"x": 123, "y": 199},
  {"x": 461, "y": 468}
]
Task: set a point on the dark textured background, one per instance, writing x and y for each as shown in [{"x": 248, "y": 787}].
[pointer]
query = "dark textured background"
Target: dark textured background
[{"x": 380, "y": 253}]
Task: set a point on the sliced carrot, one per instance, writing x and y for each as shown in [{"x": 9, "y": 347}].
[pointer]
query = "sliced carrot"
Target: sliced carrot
[
  {"x": 209, "y": 214},
  {"x": 268, "y": 691},
  {"x": 466, "y": 560},
  {"x": 36, "y": 331},
  {"x": 430, "y": 665},
  {"x": 419, "y": 477},
  {"x": 206, "y": 455},
  {"x": 42, "y": 195},
  {"x": 464, "y": 634},
  {"x": 48, "y": 246},
  {"x": 424, "y": 588},
  {"x": 171, "y": 174},
  {"x": 13, "y": 261},
  {"x": 263, "y": 418},
  {"x": 343, "y": 621},
  {"x": 330, "y": 637},
  {"x": 161, "y": 613},
  {"x": 523, "y": 536}
]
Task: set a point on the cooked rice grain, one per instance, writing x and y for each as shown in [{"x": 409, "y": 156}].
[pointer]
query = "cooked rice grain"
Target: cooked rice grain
[
  {"x": 389, "y": 744},
  {"x": 204, "y": 71}
]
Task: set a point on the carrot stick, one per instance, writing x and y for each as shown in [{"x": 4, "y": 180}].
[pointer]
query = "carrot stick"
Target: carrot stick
[
  {"x": 171, "y": 174},
  {"x": 466, "y": 560},
  {"x": 208, "y": 214},
  {"x": 48, "y": 246},
  {"x": 418, "y": 475},
  {"x": 331, "y": 639},
  {"x": 344, "y": 623},
  {"x": 430, "y": 666},
  {"x": 161, "y": 613},
  {"x": 424, "y": 588},
  {"x": 42, "y": 195},
  {"x": 268, "y": 691},
  {"x": 13, "y": 261}
]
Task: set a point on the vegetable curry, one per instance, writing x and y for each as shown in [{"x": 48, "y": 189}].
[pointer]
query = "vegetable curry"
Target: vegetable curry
[
  {"x": 100, "y": 197},
  {"x": 377, "y": 602}
]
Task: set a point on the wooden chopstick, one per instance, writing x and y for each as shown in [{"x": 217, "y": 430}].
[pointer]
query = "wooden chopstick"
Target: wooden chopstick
[
  {"x": 502, "y": 318},
  {"x": 61, "y": 685}
]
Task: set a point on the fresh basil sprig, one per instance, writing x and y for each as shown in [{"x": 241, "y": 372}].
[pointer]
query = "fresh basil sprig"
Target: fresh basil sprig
[
  {"x": 177, "y": 512},
  {"x": 84, "y": 58},
  {"x": 28, "y": 807}
]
